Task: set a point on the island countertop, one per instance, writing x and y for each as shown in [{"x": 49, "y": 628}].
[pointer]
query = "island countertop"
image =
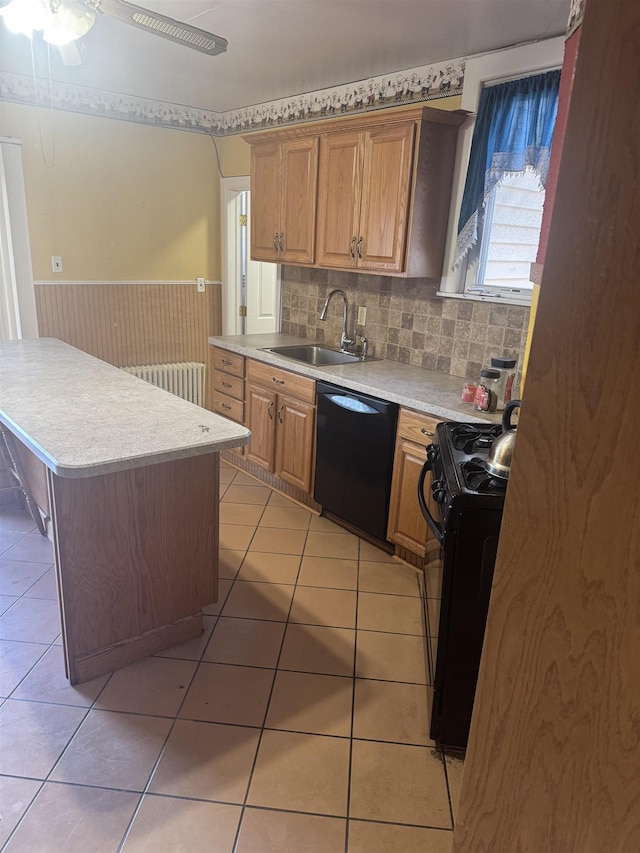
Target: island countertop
[{"x": 83, "y": 417}]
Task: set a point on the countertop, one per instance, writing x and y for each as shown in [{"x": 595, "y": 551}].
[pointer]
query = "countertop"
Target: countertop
[
  {"x": 426, "y": 391},
  {"x": 83, "y": 417}
]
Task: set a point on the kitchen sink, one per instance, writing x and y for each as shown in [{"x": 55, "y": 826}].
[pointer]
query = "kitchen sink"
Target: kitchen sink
[{"x": 315, "y": 354}]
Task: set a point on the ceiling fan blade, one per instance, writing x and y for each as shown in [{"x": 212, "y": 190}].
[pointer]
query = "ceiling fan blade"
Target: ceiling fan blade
[{"x": 163, "y": 26}]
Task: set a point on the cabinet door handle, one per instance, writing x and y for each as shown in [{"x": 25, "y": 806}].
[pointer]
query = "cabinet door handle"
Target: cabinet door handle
[
  {"x": 426, "y": 432},
  {"x": 280, "y": 413},
  {"x": 270, "y": 410},
  {"x": 275, "y": 241},
  {"x": 281, "y": 241},
  {"x": 352, "y": 249},
  {"x": 278, "y": 381},
  {"x": 360, "y": 247}
]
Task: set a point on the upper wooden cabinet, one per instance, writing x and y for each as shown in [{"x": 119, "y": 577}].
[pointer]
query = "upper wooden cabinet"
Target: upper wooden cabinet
[
  {"x": 363, "y": 199},
  {"x": 283, "y": 200},
  {"x": 383, "y": 192}
]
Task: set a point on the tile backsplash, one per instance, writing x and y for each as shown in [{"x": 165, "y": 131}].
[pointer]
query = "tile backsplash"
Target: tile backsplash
[{"x": 406, "y": 321}]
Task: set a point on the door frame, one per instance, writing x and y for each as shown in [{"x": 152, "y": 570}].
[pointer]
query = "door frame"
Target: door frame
[{"x": 230, "y": 188}]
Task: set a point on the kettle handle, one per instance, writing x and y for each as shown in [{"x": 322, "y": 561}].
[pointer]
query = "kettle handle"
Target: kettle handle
[{"x": 506, "y": 417}]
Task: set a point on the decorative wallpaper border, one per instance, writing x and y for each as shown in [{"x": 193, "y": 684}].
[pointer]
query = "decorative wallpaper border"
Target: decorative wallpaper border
[
  {"x": 424, "y": 83},
  {"x": 414, "y": 85}
]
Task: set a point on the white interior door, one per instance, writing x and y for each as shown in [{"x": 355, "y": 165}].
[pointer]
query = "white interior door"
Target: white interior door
[
  {"x": 246, "y": 284},
  {"x": 262, "y": 291}
]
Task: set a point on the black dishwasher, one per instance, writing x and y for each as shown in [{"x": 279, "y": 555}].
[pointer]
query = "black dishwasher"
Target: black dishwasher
[{"x": 354, "y": 457}]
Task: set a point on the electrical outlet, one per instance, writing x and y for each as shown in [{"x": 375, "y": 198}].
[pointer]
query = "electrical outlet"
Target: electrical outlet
[
  {"x": 56, "y": 263},
  {"x": 200, "y": 285},
  {"x": 362, "y": 315}
]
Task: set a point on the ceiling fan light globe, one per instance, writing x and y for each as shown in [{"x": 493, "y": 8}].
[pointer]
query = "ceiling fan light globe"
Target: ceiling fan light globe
[
  {"x": 68, "y": 23},
  {"x": 25, "y": 16}
]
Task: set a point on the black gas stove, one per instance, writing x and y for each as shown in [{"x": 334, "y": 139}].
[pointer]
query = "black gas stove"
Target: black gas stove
[{"x": 467, "y": 523}]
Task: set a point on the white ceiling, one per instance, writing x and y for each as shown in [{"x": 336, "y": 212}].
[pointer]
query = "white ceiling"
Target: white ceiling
[{"x": 280, "y": 48}]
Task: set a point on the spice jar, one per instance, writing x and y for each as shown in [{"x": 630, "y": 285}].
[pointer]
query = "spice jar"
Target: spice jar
[
  {"x": 486, "y": 398},
  {"x": 507, "y": 368},
  {"x": 469, "y": 392}
]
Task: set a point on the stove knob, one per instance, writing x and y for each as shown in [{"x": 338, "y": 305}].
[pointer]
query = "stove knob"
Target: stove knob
[
  {"x": 439, "y": 492},
  {"x": 433, "y": 452}
]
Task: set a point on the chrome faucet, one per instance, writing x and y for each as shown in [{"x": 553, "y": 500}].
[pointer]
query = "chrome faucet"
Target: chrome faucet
[{"x": 345, "y": 341}]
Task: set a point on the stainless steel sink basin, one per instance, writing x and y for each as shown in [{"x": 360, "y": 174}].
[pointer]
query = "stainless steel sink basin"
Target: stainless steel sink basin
[{"x": 315, "y": 354}]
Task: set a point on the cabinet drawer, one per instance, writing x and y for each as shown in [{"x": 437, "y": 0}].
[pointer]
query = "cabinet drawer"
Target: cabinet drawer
[
  {"x": 228, "y": 362},
  {"x": 230, "y": 386},
  {"x": 281, "y": 381},
  {"x": 228, "y": 407},
  {"x": 417, "y": 426}
]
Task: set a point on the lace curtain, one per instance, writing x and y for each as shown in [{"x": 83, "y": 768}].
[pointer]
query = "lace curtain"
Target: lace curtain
[{"x": 513, "y": 133}]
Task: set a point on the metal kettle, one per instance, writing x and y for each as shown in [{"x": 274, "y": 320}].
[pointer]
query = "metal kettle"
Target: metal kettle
[{"x": 498, "y": 461}]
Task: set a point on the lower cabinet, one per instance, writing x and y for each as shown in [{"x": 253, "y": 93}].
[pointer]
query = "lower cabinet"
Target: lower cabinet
[
  {"x": 280, "y": 412},
  {"x": 407, "y": 527},
  {"x": 228, "y": 388}
]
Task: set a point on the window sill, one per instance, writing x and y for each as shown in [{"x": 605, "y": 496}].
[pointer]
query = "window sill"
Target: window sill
[{"x": 511, "y": 299}]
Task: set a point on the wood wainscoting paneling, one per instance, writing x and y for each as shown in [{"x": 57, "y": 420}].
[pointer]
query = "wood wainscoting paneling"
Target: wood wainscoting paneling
[{"x": 134, "y": 323}]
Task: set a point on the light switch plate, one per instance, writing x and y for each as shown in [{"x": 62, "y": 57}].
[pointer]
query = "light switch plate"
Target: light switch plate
[
  {"x": 200, "y": 285},
  {"x": 56, "y": 263}
]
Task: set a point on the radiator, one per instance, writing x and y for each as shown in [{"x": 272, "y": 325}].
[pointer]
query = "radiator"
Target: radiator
[{"x": 184, "y": 379}]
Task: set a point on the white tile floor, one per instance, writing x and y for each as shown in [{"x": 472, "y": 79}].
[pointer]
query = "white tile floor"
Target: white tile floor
[{"x": 297, "y": 722}]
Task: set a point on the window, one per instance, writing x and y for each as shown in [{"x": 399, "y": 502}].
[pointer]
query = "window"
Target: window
[
  {"x": 508, "y": 236},
  {"x": 501, "y": 211}
]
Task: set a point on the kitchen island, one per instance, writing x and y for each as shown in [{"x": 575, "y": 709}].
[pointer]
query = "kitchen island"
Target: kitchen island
[{"x": 132, "y": 475}]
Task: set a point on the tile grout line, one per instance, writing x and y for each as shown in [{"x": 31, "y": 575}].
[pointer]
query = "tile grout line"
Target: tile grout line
[
  {"x": 353, "y": 703},
  {"x": 266, "y": 711}
]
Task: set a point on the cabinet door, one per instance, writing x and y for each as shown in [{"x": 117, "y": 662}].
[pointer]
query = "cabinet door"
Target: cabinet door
[
  {"x": 407, "y": 526},
  {"x": 295, "y": 432},
  {"x": 386, "y": 191},
  {"x": 299, "y": 163},
  {"x": 265, "y": 201},
  {"x": 339, "y": 188},
  {"x": 261, "y": 409}
]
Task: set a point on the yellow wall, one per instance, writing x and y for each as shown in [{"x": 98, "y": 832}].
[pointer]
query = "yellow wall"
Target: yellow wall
[
  {"x": 117, "y": 200},
  {"x": 123, "y": 201}
]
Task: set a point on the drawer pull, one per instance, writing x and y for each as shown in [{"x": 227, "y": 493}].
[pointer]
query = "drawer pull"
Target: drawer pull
[
  {"x": 226, "y": 362},
  {"x": 278, "y": 381},
  {"x": 426, "y": 432},
  {"x": 226, "y": 406},
  {"x": 226, "y": 385}
]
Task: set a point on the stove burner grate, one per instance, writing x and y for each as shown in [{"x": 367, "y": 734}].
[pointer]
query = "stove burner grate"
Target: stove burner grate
[
  {"x": 478, "y": 479},
  {"x": 474, "y": 438}
]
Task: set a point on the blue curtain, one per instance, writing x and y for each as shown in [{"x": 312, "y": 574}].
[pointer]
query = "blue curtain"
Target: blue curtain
[{"x": 513, "y": 132}]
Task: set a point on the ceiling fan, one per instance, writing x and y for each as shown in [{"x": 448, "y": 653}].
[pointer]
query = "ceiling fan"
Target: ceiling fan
[{"x": 63, "y": 21}]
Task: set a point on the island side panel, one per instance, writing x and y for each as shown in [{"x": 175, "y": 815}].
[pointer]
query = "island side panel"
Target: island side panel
[{"x": 136, "y": 560}]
